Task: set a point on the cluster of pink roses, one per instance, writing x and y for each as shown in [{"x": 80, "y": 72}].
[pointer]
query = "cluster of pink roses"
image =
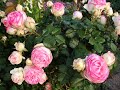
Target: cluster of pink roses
[
  {"x": 95, "y": 68},
  {"x": 17, "y": 22},
  {"x": 33, "y": 72}
]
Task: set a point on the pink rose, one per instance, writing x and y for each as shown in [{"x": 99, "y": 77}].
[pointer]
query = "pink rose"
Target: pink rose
[
  {"x": 34, "y": 75},
  {"x": 41, "y": 57},
  {"x": 96, "y": 69},
  {"x": 109, "y": 58},
  {"x": 15, "y": 19},
  {"x": 15, "y": 57},
  {"x": 95, "y": 4},
  {"x": 58, "y": 9},
  {"x": 98, "y": 3}
]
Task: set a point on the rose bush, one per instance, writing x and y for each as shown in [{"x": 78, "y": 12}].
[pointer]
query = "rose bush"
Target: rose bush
[{"x": 47, "y": 39}]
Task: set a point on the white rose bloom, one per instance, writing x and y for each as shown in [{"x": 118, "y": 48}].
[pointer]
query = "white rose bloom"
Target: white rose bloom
[
  {"x": 77, "y": 15},
  {"x": 17, "y": 75},
  {"x": 30, "y": 23},
  {"x": 109, "y": 58}
]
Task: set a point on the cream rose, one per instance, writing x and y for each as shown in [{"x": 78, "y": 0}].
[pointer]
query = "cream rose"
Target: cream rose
[
  {"x": 17, "y": 75},
  {"x": 79, "y": 64},
  {"x": 109, "y": 58},
  {"x": 30, "y": 23},
  {"x": 20, "y": 46}
]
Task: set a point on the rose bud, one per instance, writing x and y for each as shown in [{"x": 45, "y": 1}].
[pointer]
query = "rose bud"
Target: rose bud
[
  {"x": 109, "y": 58},
  {"x": 20, "y": 47},
  {"x": 48, "y": 86},
  {"x": 77, "y": 15},
  {"x": 49, "y": 4},
  {"x": 79, "y": 64},
  {"x": 19, "y": 7},
  {"x": 28, "y": 62},
  {"x": 2, "y": 13},
  {"x": 17, "y": 75},
  {"x": 30, "y": 23}
]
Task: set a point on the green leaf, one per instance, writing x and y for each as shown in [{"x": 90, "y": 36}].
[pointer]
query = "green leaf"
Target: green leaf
[
  {"x": 14, "y": 88},
  {"x": 56, "y": 31},
  {"x": 91, "y": 87},
  {"x": 49, "y": 41},
  {"x": 113, "y": 46},
  {"x": 62, "y": 68},
  {"x": 38, "y": 39},
  {"x": 98, "y": 47},
  {"x": 2, "y": 88},
  {"x": 100, "y": 40},
  {"x": 81, "y": 33},
  {"x": 92, "y": 41},
  {"x": 60, "y": 39},
  {"x": 70, "y": 33}
]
